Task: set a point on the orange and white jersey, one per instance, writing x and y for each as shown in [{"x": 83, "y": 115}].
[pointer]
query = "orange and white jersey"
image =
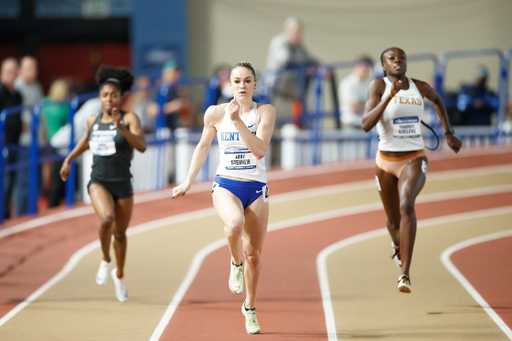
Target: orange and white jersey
[{"x": 399, "y": 128}]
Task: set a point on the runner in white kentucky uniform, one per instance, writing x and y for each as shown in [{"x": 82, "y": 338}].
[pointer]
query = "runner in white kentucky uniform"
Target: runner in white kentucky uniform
[
  {"x": 395, "y": 106},
  {"x": 236, "y": 160},
  {"x": 240, "y": 193}
]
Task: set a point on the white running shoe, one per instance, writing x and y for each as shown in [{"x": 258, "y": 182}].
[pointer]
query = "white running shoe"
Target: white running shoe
[
  {"x": 236, "y": 278},
  {"x": 102, "y": 275},
  {"x": 251, "y": 322},
  {"x": 404, "y": 284},
  {"x": 396, "y": 255},
  {"x": 121, "y": 292}
]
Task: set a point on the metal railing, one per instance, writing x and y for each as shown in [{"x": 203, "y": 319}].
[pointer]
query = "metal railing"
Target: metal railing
[{"x": 312, "y": 76}]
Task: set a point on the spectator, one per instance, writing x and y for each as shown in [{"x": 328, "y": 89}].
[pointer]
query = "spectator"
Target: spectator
[
  {"x": 224, "y": 92},
  {"x": 286, "y": 49},
  {"x": 60, "y": 140},
  {"x": 352, "y": 93},
  {"x": 55, "y": 116},
  {"x": 9, "y": 97},
  {"x": 177, "y": 106},
  {"x": 139, "y": 101},
  {"x": 476, "y": 102},
  {"x": 31, "y": 93}
]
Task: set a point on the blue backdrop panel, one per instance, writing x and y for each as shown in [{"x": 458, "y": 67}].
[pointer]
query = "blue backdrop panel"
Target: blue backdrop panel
[{"x": 158, "y": 33}]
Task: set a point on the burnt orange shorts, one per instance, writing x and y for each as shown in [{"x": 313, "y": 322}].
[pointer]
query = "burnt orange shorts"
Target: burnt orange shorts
[{"x": 395, "y": 165}]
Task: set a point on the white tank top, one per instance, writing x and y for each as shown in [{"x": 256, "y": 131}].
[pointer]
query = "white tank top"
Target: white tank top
[
  {"x": 235, "y": 159},
  {"x": 399, "y": 126}
]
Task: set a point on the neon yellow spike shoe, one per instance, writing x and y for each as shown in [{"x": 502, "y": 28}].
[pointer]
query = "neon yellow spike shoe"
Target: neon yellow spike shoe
[
  {"x": 236, "y": 278},
  {"x": 251, "y": 322}
]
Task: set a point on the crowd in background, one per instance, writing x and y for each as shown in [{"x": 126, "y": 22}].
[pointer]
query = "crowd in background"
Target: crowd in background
[{"x": 473, "y": 104}]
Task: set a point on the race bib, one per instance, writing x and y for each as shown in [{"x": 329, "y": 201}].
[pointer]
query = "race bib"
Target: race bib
[
  {"x": 406, "y": 127},
  {"x": 266, "y": 193},
  {"x": 102, "y": 142},
  {"x": 239, "y": 159},
  {"x": 214, "y": 187}
]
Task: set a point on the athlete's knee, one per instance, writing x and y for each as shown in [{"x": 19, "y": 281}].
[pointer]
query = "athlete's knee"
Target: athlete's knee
[
  {"x": 393, "y": 225},
  {"x": 406, "y": 207},
  {"x": 120, "y": 236},
  {"x": 235, "y": 225},
  {"x": 252, "y": 258},
  {"x": 107, "y": 220}
]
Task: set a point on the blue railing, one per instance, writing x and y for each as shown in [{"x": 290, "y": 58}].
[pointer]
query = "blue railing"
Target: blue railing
[
  {"x": 316, "y": 74},
  {"x": 12, "y": 166}
]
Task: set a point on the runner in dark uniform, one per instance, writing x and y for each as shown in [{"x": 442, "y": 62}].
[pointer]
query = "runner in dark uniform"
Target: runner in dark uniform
[{"x": 111, "y": 136}]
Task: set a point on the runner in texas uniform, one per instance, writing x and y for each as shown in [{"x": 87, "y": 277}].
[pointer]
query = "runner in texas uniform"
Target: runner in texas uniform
[{"x": 395, "y": 106}]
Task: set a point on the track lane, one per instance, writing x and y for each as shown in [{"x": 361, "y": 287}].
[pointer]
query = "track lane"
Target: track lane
[
  {"x": 193, "y": 201},
  {"x": 487, "y": 266},
  {"x": 438, "y": 308},
  {"x": 285, "y": 295}
]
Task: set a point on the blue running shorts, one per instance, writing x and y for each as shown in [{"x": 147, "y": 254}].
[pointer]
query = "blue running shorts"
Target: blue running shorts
[{"x": 246, "y": 191}]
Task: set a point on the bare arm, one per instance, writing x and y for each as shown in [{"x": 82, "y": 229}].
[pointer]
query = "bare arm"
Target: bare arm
[
  {"x": 211, "y": 117},
  {"x": 257, "y": 144},
  {"x": 429, "y": 93},
  {"x": 131, "y": 130},
  {"x": 375, "y": 106},
  {"x": 80, "y": 147}
]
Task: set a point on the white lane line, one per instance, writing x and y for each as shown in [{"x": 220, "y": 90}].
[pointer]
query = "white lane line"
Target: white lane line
[
  {"x": 445, "y": 259},
  {"x": 73, "y": 213},
  {"x": 324, "y": 285},
  {"x": 205, "y": 186},
  {"x": 70, "y": 265},
  {"x": 331, "y": 189},
  {"x": 321, "y": 260},
  {"x": 321, "y": 265},
  {"x": 199, "y": 257},
  {"x": 84, "y": 251}
]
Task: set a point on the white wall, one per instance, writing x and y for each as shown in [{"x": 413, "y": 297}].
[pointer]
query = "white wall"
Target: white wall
[{"x": 229, "y": 31}]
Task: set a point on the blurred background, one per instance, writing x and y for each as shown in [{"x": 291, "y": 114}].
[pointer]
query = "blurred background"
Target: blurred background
[{"x": 314, "y": 61}]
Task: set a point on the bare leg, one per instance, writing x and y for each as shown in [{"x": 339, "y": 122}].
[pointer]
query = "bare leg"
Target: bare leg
[
  {"x": 410, "y": 184},
  {"x": 103, "y": 204},
  {"x": 123, "y": 209},
  {"x": 391, "y": 201},
  {"x": 231, "y": 212},
  {"x": 256, "y": 221}
]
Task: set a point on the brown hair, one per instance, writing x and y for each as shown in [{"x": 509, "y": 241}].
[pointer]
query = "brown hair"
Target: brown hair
[{"x": 246, "y": 65}]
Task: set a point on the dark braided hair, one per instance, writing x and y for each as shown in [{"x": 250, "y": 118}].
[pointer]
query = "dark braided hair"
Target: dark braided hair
[
  {"x": 382, "y": 57},
  {"x": 120, "y": 77},
  {"x": 246, "y": 65}
]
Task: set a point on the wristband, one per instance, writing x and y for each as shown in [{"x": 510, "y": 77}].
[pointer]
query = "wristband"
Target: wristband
[{"x": 450, "y": 131}]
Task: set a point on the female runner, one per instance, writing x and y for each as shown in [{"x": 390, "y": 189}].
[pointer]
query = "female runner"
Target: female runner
[
  {"x": 111, "y": 136},
  {"x": 240, "y": 193},
  {"x": 395, "y": 105}
]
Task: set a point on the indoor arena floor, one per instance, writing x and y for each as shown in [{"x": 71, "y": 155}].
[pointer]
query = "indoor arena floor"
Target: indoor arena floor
[{"x": 327, "y": 271}]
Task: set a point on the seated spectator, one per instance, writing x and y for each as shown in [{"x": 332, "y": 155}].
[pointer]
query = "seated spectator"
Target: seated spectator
[
  {"x": 9, "y": 97},
  {"x": 352, "y": 93},
  {"x": 476, "y": 102},
  {"x": 139, "y": 101},
  {"x": 55, "y": 116}
]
